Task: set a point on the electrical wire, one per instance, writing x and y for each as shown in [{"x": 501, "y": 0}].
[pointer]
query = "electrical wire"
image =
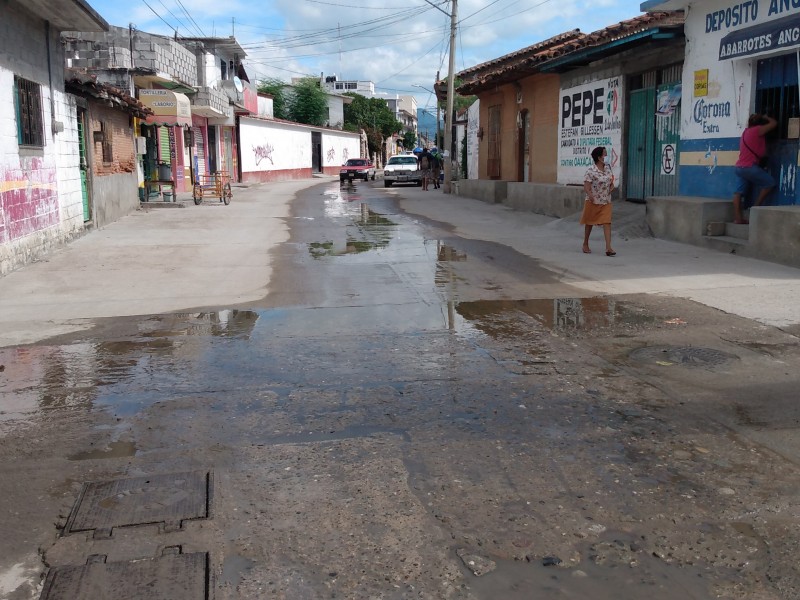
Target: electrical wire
[
  {"x": 191, "y": 18},
  {"x": 160, "y": 17}
]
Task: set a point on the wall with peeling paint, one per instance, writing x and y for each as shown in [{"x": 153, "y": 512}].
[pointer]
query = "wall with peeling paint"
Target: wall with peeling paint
[{"x": 40, "y": 192}]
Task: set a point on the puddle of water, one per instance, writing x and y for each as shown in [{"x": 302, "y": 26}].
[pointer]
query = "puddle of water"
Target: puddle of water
[
  {"x": 234, "y": 567},
  {"x": 562, "y": 314},
  {"x": 651, "y": 579},
  {"x": 113, "y": 450}
]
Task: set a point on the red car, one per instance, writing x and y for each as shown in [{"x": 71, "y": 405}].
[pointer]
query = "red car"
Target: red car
[{"x": 357, "y": 168}]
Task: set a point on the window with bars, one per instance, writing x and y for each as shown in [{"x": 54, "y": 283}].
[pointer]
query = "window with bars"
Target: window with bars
[{"x": 30, "y": 125}]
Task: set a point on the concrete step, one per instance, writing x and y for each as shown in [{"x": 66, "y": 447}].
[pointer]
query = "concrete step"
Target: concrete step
[
  {"x": 737, "y": 231},
  {"x": 726, "y": 243},
  {"x": 722, "y": 229}
]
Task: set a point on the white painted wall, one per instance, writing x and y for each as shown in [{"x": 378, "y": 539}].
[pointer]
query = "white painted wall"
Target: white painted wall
[{"x": 276, "y": 146}]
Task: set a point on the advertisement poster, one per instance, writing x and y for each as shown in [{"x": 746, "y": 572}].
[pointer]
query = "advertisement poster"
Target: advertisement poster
[{"x": 590, "y": 115}]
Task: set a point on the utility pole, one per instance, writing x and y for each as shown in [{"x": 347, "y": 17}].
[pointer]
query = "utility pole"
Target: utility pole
[
  {"x": 448, "y": 131},
  {"x": 438, "y": 129}
]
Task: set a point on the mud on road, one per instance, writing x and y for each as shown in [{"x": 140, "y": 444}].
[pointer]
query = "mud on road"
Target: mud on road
[{"x": 408, "y": 415}]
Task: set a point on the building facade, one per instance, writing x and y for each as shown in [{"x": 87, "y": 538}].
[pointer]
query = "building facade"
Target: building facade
[{"x": 41, "y": 201}]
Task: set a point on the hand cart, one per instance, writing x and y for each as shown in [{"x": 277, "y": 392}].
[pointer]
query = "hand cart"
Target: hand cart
[{"x": 215, "y": 185}]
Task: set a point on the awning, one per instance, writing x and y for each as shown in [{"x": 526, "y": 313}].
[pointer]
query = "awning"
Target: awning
[{"x": 169, "y": 108}]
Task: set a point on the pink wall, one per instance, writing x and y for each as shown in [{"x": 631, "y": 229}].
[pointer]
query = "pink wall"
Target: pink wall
[{"x": 28, "y": 199}]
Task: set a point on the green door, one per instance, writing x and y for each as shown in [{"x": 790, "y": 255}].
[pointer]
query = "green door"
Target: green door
[
  {"x": 641, "y": 143},
  {"x": 84, "y": 164}
]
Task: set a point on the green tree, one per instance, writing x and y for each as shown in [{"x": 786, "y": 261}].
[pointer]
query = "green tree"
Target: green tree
[
  {"x": 374, "y": 117},
  {"x": 277, "y": 89},
  {"x": 308, "y": 103},
  {"x": 409, "y": 140}
]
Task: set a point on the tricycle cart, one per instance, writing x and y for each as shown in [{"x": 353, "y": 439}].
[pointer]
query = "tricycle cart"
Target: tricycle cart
[{"x": 215, "y": 185}]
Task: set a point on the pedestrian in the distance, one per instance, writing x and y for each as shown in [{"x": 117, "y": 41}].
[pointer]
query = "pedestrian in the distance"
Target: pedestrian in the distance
[
  {"x": 436, "y": 167},
  {"x": 598, "y": 184},
  {"x": 424, "y": 162},
  {"x": 749, "y": 171}
]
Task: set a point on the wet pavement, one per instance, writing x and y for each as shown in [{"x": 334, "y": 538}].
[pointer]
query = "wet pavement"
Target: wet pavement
[{"x": 408, "y": 414}]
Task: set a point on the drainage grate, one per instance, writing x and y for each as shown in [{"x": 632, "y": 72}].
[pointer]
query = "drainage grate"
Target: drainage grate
[
  {"x": 690, "y": 356},
  {"x": 168, "y": 499},
  {"x": 170, "y": 577}
]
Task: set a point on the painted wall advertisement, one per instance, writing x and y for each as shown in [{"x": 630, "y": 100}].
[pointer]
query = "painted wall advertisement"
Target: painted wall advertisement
[{"x": 590, "y": 115}]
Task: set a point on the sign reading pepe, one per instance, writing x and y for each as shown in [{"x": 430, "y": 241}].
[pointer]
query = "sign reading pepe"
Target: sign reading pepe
[{"x": 590, "y": 116}]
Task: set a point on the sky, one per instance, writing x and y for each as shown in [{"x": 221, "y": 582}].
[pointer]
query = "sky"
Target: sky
[{"x": 396, "y": 44}]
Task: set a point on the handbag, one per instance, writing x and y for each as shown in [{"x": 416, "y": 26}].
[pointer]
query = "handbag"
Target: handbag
[{"x": 763, "y": 161}]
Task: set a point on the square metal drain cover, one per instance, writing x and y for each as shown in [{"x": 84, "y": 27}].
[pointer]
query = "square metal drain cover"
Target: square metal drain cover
[
  {"x": 170, "y": 577},
  {"x": 169, "y": 499}
]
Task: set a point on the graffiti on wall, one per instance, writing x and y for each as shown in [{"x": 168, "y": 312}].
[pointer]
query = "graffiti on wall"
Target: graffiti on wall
[
  {"x": 345, "y": 155},
  {"x": 263, "y": 152},
  {"x": 331, "y": 156},
  {"x": 28, "y": 199}
]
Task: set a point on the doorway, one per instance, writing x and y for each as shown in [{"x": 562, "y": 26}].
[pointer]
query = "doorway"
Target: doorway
[
  {"x": 652, "y": 149},
  {"x": 316, "y": 152},
  {"x": 524, "y": 150}
]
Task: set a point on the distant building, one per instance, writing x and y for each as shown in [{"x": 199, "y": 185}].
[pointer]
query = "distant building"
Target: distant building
[{"x": 333, "y": 85}]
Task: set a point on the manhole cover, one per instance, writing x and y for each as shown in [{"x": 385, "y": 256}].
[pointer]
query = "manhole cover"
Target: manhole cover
[
  {"x": 168, "y": 499},
  {"x": 692, "y": 356},
  {"x": 170, "y": 577}
]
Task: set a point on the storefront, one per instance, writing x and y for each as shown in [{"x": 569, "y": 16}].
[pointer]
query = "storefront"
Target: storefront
[
  {"x": 741, "y": 58},
  {"x": 166, "y": 141}
]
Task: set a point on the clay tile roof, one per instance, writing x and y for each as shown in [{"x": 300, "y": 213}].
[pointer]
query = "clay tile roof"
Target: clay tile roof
[
  {"x": 527, "y": 61},
  {"x": 86, "y": 83}
]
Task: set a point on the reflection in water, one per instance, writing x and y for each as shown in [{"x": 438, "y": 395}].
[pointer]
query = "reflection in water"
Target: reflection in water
[
  {"x": 38, "y": 378},
  {"x": 559, "y": 313},
  {"x": 368, "y": 231},
  {"x": 113, "y": 450}
]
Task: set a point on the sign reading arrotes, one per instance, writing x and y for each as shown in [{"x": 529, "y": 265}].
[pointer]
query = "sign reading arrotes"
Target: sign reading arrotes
[{"x": 774, "y": 35}]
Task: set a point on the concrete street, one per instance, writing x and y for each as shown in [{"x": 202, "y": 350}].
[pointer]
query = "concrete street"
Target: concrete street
[{"x": 357, "y": 392}]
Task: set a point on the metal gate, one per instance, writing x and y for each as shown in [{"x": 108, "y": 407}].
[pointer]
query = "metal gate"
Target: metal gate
[
  {"x": 777, "y": 95},
  {"x": 200, "y": 153},
  {"x": 653, "y": 148},
  {"x": 641, "y": 142}
]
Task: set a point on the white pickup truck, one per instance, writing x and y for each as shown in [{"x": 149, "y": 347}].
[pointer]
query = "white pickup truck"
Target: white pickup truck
[{"x": 402, "y": 168}]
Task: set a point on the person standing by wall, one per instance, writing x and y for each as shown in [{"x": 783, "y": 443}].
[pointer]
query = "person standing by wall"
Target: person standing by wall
[
  {"x": 598, "y": 184},
  {"x": 425, "y": 161},
  {"x": 436, "y": 167},
  {"x": 749, "y": 167}
]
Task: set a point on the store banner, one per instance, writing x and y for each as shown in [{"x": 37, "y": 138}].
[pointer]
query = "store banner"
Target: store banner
[
  {"x": 590, "y": 116},
  {"x": 779, "y": 34}
]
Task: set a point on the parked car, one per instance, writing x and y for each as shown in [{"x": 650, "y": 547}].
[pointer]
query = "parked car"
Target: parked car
[
  {"x": 401, "y": 169},
  {"x": 357, "y": 168}
]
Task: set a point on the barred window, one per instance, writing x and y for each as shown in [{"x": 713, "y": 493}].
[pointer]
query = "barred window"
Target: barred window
[{"x": 30, "y": 127}]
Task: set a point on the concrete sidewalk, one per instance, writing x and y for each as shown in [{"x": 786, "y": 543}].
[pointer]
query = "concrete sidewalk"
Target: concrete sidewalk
[
  {"x": 758, "y": 290},
  {"x": 210, "y": 256}
]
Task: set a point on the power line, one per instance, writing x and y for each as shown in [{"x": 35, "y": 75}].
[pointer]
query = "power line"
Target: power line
[
  {"x": 159, "y": 16},
  {"x": 191, "y": 18}
]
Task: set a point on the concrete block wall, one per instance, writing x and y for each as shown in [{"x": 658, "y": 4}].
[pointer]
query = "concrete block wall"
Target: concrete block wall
[
  {"x": 486, "y": 190},
  {"x": 686, "y": 218}
]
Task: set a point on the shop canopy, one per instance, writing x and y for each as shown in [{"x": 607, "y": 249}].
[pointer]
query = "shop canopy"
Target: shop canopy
[{"x": 169, "y": 108}]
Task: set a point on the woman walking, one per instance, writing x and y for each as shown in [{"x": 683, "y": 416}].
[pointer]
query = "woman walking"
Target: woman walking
[{"x": 598, "y": 184}]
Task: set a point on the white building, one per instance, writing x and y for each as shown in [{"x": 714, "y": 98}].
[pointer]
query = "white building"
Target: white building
[
  {"x": 333, "y": 85},
  {"x": 41, "y": 199}
]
